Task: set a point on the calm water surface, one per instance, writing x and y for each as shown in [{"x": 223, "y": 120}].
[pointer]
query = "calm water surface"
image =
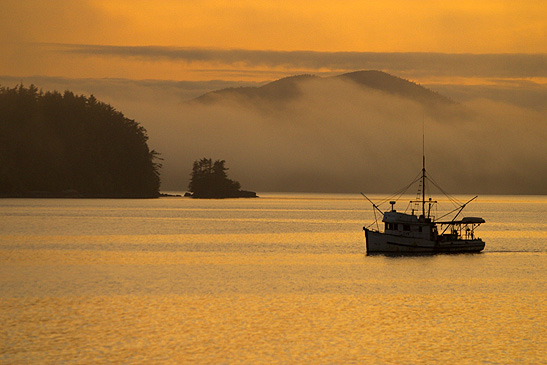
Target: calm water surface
[{"x": 283, "y": 278}]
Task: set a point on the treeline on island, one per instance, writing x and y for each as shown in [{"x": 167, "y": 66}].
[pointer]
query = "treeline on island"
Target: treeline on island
[
  {"x": 54, "y": 144},
  {"x": 209, "y": 180}
]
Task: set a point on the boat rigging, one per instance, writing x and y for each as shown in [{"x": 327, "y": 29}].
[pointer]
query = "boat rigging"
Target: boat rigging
[{"x": 411, "y": 234}]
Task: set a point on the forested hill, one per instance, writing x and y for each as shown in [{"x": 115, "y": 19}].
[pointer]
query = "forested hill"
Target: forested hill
[
  {"x": 290, "y": 88},
  {"x": 54, "y": 144},
  {"x": 385, "y": 82}
]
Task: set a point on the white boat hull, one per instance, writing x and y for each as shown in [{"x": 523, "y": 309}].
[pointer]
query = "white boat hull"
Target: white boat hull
[{"x": 378, "y": 242}]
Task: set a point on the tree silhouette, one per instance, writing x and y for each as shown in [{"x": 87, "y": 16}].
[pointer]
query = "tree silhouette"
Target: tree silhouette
[
  {"x": 209, "y": 180},
  {"x": 53, "y": 142}
]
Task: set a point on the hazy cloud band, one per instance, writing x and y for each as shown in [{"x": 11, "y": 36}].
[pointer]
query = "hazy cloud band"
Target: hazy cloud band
[{"x": 431, "y": 64}]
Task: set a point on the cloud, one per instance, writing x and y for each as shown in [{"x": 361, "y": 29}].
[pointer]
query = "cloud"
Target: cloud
[{"x": 415, "y": 63}]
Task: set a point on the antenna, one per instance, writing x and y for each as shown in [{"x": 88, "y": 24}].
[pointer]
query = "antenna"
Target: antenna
[
  {"x": 423, "y": 136},
  {"x": 423, "y": 165}
]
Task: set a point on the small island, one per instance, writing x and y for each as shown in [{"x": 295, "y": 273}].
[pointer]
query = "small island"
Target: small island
[
  {"x": 210, "y": 181},
  {"x": 55, "y": 145}
]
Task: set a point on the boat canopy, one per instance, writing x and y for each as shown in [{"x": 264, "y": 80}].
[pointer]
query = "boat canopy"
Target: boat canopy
[{"x": 466, "y": 220}]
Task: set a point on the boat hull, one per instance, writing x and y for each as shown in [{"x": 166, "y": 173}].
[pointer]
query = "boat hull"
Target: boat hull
[{"x": 378, "y": 243}]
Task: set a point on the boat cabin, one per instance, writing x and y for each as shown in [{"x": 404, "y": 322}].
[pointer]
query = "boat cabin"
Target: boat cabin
[{"x": 410, "y": 225}]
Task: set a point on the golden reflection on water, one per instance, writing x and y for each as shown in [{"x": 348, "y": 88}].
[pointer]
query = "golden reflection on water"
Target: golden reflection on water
[
  {"x": 272, "y": 328},
  {"x": 276, "y": 280},
  {"x": 514, "y": 234},
  {"x": 83, "y": 257},
  {"x": 323, "y": 238},
  {"x": 218, "y": 307}
]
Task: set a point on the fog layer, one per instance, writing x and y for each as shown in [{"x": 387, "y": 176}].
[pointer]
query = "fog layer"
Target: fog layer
[{"x": 338, "y": 137}]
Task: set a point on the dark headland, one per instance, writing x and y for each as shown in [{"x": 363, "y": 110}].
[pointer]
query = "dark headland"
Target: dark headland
[{"x": 67, "y": 145}]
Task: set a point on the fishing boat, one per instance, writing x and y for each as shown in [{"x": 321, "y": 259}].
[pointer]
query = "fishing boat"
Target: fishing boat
[{"x": 420, "y": 232}]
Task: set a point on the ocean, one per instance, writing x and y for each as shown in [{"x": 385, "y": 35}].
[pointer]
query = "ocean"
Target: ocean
[{"x": 280, "y": 279}]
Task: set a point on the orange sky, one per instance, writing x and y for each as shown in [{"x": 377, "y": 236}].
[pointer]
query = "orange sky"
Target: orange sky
[{"x": 30, "y": 28}]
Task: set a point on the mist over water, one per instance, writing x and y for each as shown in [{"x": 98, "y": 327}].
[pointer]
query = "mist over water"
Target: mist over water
[
  {"x": 338, "y": 137},
  {"x": 335, "y": 136}
]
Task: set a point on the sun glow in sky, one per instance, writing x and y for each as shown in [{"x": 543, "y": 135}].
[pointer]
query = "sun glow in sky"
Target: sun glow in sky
[{"x": 45, "y": 38}]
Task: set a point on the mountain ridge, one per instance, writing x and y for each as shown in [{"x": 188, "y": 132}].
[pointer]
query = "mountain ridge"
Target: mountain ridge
[{"x": 288, "y": 88}]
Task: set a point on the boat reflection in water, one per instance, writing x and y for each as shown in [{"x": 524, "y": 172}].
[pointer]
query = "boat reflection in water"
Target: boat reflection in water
[{"x": 412, "y": 234}]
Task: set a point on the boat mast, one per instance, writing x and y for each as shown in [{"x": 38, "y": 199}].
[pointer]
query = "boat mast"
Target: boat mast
[
  {"x": 423, "y": 186},
  {"x": 423, "y": 167}
]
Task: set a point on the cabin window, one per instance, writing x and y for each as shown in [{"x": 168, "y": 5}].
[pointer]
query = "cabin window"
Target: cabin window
[
  {"x": 395, "y": 226},
  {"x": 406, "y": 227},
  {"x": 419, "y": 228}
]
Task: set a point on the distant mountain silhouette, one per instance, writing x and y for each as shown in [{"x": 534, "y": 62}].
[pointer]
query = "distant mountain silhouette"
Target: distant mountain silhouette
[
  {"x": 283, "y": 89},
  {"x": 288, "y": 88},
  {"x": 395, "y": 85}
]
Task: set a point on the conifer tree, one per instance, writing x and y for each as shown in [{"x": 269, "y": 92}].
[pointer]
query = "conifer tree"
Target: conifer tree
[
  {"x": 210, "y": 180},
  {"x": 53, "y": 142}
]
